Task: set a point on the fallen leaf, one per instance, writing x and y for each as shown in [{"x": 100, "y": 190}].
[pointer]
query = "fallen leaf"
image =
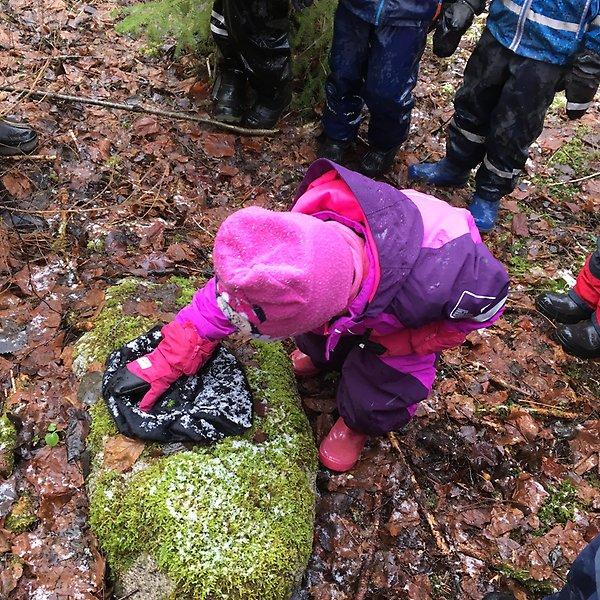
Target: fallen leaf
[
  {"x": 218, "y": 145},
  {"x": 17, "y": 185},
  {"x": 519, "y": 225},
  {"x": 145, "y": 126},
  {"x": 121, "y": 453}
]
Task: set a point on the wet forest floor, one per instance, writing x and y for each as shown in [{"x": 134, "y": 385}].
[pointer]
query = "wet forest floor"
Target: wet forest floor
[{"x": 494, "y": 484}]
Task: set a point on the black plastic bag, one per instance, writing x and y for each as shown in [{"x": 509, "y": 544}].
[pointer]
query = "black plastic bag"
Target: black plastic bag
[{"x": 202, "y": 408}]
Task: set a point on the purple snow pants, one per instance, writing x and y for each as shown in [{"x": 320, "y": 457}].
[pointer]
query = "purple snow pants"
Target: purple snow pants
[{"x": 376, "y": 394}]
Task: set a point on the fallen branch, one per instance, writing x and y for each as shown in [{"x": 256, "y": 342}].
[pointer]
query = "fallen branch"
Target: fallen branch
[
  {"x": 509, "y": 386},
  {"x": 592, "y": 176},
  {"x": 19, "y": 157},
  {"x": 168, "y": 114},
  {"x": 130, "y": 595}
]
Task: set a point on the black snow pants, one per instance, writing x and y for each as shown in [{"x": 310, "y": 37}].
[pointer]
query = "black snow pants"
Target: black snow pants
[
  {"x": 499, "y": 112},
  {"x": 252, "y": 37}
]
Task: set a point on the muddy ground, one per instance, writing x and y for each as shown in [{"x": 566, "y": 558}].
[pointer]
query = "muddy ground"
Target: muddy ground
[{"x": 494, "y": 484}]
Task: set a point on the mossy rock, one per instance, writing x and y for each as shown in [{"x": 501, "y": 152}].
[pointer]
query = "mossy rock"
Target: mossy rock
[{"x": 232, "y": 521}]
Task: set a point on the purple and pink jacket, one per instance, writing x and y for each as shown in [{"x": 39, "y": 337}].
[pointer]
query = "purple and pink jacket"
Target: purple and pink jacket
[{"x": 429, "y": 281}]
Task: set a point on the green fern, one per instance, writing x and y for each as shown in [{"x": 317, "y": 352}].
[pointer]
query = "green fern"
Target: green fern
[{"x": 187, "y": 22}]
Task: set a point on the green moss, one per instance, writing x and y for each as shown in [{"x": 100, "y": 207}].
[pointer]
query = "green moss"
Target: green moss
[
  {"x": 232, "y": 521},
  {"x": 8, "y": 443},
  {"x": 577, "y": 155},
  {"x": 187, "y": 289},
  {"x": 524, "y": 578},
  {"x": 102, "y": 426},
  {"x": 22, "y": 517},
  {"x": 559, "y": 507},
  {"x": 111, "y": 328}
]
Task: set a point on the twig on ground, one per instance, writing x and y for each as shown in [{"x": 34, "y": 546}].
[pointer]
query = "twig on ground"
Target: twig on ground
[
  {"x": 548, "y": 412},
  {"x": 29, "y": 157},
  {"x": 168, "y": 114},
  {"x": 129, "y": 595},
  {"x": 367, "y": 565},
  {"x": 436, "y": 531},
  {"x": 591, "y": 176},
  {"x": 509, "y": 386},
  {"x": 24, "y": 93}
]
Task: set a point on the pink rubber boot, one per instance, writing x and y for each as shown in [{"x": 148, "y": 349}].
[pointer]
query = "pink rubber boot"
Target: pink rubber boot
[
  {"x": 342, "y": 447},
  {"x": 302, "y": 364}
]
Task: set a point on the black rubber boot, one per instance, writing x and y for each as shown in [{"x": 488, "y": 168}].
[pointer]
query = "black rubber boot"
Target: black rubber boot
[
  {"x": 16, "y": 138},
  {"x": 499, "y": 596},
  {"x": 564, "y": 308},
  {"x": 376, "y": 162},
  {"x": 334, "y": 150},
  {"x": 229, "y": 94},
  {"x": 265, "y": 112},
  {"x": 581, "y": 339}
]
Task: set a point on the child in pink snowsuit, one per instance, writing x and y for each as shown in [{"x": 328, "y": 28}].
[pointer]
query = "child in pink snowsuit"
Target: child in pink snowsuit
[{"x": 368, "y": 279}]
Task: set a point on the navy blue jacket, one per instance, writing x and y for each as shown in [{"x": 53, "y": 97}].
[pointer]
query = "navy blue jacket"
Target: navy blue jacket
[
  {"x": 552, "y": 31},
  {"x": 392, "y": 12}
]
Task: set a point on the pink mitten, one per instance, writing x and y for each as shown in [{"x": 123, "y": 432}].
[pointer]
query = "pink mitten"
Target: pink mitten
[{"x": 181, "y": 352}]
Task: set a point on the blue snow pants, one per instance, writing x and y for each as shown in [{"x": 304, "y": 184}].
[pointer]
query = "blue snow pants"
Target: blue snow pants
[
  {"x": 583, "y": 582},
  {"x": 377, "y": 65}
]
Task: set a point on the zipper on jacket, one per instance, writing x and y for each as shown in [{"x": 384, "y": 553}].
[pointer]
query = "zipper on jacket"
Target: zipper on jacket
[
  {"x": 379, "y": 11},
  {"x": 520, "y": 25}
]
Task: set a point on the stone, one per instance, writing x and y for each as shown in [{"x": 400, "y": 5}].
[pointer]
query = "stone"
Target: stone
[{"x": 232, "y": 521}]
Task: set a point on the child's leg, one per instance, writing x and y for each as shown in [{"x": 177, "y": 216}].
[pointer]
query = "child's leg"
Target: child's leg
[
  {"x": 393, "y": 68},
  {"x": 313, "y": 345},
  {"x": 516, "y": 122},
  {"x": 484, "y": 78},
  {"x": 259, "y": 33},
  {"x": 380, "y": 394},
  {"x": 348, "y": 63},
  {"x": 230, "y": 56},
  {"x": 583, "y": 580},
  {"x": 587, "y": 287}
]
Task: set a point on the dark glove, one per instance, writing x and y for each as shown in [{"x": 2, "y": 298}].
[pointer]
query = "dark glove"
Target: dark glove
[
  {"x": 456, "y": 18},
  {"x": 301, "y": 4},
  {"x": 582, "y": 82}
]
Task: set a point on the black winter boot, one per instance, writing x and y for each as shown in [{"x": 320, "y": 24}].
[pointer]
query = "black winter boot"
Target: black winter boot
[
  {"x": 564, "y": 308},
  {"x": 334, "y": 150},
  {"x": 581, "y": 339},
  {"x": 265, "y": 112},
  {"x": 499, "y": 596},
  {"x": 229, "y": 94},
  {"x": 376, "y": 162},
  {"x": 16, "y": 138}
]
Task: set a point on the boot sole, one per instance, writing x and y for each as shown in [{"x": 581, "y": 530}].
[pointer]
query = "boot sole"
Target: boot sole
[{"x": 554, "y": 315}]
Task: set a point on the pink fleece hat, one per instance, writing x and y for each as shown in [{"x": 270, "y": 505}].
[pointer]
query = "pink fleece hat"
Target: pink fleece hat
[{"x": 286, "y": 273}]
